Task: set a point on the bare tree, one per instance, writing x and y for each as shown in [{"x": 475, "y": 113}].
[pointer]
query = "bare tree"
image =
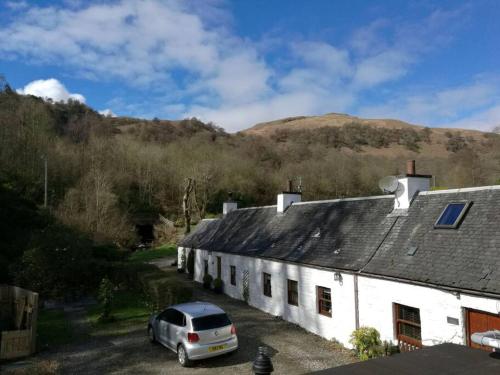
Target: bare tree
[
  {"x": 201, "y": 195},
  {"x": 186, "y": 202}
]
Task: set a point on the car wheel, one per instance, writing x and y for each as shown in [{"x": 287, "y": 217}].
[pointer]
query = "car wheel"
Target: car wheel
[
  {"x": 182, "y": 356},
  {"x": 151, "y": 335}
]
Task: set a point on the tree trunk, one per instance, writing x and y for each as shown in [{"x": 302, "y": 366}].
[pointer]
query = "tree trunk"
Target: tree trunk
[{"x": 186, "y": 207}]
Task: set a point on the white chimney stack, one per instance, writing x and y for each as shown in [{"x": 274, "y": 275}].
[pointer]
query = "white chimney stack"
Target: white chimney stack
[
  {"x": 287, "y": 198},
  {"x": 409, "y": 185},
  {"x": 230, "y": 205}
]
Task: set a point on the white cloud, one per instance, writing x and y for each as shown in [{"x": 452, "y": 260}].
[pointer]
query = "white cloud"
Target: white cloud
[
  {"x": 473, "y": 105},
  {"x": 486, "y": 120},
  {"x": 16, "y": 5},
  {"x": 107, "y": 113},
  {"x": 50, "y": 89},
  {"x": 188, "y": 55}
]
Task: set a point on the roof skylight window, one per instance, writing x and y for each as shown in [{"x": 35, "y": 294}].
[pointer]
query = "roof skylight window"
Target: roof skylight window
[{"x": 452, "y": 215}]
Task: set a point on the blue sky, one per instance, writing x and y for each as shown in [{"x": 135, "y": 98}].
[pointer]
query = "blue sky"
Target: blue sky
[{"x": 237, "y": 63}]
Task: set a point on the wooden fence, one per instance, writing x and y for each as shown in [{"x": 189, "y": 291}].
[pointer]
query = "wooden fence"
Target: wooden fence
[{"x": 18, "y": 317}]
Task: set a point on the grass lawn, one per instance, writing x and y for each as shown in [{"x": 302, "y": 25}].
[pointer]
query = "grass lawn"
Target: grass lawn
[
  {"x": 53, "y": 328},
  {"x": 150, "y": 254},
  {"x": 129, "y": 311}
]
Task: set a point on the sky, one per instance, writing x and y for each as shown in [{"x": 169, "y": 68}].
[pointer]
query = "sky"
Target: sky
[{"x": 241, "y": 62}]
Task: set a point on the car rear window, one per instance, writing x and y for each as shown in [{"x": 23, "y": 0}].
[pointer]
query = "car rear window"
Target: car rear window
[{"x": 210, "y": 322}]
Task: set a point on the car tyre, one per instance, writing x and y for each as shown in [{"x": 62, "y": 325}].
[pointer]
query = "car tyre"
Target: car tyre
[
  {"x": 151, "y": 335},
  {"x": 182, "y": 356}
]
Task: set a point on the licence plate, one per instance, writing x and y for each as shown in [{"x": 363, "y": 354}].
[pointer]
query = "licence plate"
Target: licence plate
[{"x": 216, "y": 348}]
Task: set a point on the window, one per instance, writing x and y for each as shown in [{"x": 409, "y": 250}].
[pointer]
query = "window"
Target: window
[
  {"x": 452, "y": 215},
  {"x": 210, "y": 322},
  {"x": 293, "y": 292},
  {"x": 266, "y": 281},
  {"x": 205, "y": 266},
  {"x": 173, "y": 316},
  {"x": 408, "y": 330},
  {"x": 233, "y": 275},
  {"x": 324, "y": 301}
]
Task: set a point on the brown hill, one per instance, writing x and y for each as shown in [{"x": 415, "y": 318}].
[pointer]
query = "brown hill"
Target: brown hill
[{"x": 440, "y": 142}]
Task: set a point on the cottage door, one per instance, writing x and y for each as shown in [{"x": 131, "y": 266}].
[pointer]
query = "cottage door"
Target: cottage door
[{"x": 219, "y": 267}]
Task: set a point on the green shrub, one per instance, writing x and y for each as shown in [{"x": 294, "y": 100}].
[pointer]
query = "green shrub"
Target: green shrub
[
  {"x": 182, "y": 264},
  {"x": 59, "y": 264},
  {"x": 218, "y": 285},
  {"x": 366, "y": 341},
  {"x": 207, "y": 281},
  {"x": 110, "y": 253},
  {"x": 390, "y": 348},
  {"x": 105, "y": 297}
]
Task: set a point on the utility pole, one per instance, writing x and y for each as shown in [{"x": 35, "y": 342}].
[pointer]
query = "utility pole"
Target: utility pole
[{"x": 45, "y": 182}]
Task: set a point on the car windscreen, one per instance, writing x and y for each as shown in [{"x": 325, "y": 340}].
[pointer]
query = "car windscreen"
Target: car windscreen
[{"x": 210, "y": 322}]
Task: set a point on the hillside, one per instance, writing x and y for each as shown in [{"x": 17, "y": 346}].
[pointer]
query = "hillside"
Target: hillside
[
  {"x": 440, "y": 142},
  {"x": 107, "y": 174}
]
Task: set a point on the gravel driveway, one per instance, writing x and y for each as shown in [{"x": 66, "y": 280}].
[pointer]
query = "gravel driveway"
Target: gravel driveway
[{"x": 293, "y": 350}]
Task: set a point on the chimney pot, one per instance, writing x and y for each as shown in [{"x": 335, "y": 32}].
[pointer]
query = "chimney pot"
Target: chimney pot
[
  {"x": 289, "y": 186},
  {"x": 410, "y": 168}
]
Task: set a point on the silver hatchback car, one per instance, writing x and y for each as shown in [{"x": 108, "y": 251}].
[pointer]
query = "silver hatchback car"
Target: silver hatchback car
[{"x": 194, "y": 330}]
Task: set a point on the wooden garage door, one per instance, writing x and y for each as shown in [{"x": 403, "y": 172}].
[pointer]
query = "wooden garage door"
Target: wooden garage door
[{"x": 479, "y": 321}]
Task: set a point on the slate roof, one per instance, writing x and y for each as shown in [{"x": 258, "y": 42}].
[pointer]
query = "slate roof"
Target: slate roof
[
  {"x": 340, "y": 234},
  {"x": 466, "y": 258},
  {"x": 367, "y": 236}
]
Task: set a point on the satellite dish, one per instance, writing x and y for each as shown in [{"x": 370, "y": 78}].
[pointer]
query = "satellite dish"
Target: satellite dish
[{"x": 388, "y": 184}]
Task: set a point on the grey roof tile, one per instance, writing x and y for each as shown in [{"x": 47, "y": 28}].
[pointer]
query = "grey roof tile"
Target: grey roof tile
[{"x": 363, "y": 235}]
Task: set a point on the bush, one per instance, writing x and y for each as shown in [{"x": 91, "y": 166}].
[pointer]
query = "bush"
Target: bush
[
  {"x": 182, "y": 263},
  {"x": 59, "y": 264},
  {"x": 366, "y": 341},
  {"x": 207, "y": 281},
  {"x": 218, "y": 285},
  {"x": 105, "y": 297}
]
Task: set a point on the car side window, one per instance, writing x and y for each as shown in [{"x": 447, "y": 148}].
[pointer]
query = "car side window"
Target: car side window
[
  {"x": 178, "y": 318},
  {"x": 173, "y": 316},
  {"x": 164, "y": 315}
]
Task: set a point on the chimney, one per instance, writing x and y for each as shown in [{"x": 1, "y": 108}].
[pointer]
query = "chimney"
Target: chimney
[
  {"x": 287, "y": 198},
  {"x": 409, "y": 186},
  {"x": 410, "y": 168},
  {"x": 229, "y": 205}
]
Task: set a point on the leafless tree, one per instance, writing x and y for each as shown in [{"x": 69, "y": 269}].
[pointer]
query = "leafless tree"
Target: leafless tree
[{"x": 186, "y": 202}]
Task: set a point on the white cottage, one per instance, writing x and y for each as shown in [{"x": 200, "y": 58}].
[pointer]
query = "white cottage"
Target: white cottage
[{"x": 422, "y": 267}]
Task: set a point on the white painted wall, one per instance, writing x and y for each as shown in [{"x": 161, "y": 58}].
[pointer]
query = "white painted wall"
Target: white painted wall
[
  {"x": 338, "y": 327},
  {"x": 376, "y": 299}
]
